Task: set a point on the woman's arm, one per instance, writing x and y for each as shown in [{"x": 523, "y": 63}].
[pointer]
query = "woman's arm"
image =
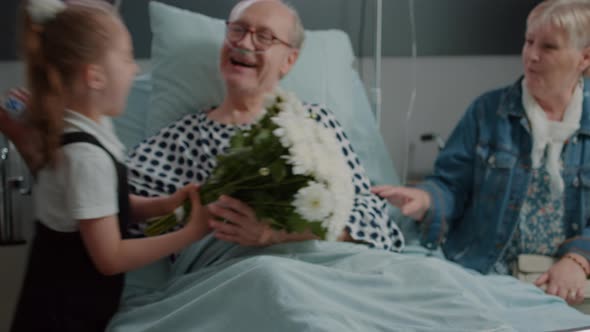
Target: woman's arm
[
  {"x": 112, "y": 255},
  {"x": 450, "y": 187}
]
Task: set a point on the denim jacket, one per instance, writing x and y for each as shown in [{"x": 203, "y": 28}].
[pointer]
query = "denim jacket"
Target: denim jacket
[{"x": 481, "y": 179}]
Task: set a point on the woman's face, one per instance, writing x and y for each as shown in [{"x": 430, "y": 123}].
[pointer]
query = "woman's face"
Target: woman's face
[{"x": 551, "y": 62}]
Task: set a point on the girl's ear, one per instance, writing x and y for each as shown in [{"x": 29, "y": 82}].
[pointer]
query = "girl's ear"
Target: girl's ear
[{"x": 95, "y": 77}]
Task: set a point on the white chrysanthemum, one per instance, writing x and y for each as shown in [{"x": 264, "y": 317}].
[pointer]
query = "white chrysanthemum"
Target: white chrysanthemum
[
  {"x": 315, "y": 151},
  {"x": 286, "y": 97},
  {"x": 260, "y": 115},
  {"x": 292, "y": 128},
  {"x": 42, "y": 11},
  {"x": 331, "y": 167},
  {"x": 269, "y": 100},
  {"x": 301, "y": 110},
  {"x": 330, "y": 163},
  {"x": 314, "y": 202},
  {"x": 284, "y": 120},
  {"x": 302, "y": 159},
  {"x": 342, "y": 192}
]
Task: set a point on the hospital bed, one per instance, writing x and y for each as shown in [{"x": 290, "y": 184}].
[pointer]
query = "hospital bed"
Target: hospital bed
[{"x": 313, "y": 285}]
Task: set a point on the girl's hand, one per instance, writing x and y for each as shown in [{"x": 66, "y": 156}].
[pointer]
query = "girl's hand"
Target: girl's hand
[
  {"x": 26, "y": 139},
  {"x": 180, "y": 196},
  {"x": 565, "y": 279},
  {"x": 197, "y": 221},
  {"x": 239, "y": 224}
]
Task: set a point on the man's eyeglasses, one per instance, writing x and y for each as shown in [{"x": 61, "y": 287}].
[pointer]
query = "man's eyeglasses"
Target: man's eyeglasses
[{"x": 262, "y": 39}]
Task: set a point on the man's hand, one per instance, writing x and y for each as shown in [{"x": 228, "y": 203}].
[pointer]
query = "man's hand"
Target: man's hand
[{"x": 239, "y": 224}]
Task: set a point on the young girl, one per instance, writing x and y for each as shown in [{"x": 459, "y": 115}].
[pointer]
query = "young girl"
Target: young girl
[{"x": 80, "y": 67}]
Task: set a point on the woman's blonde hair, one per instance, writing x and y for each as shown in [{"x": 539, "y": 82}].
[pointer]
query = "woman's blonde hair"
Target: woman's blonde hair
[
  {"x": 571, "y": 15},
  {"x": 55, "y": 53}
]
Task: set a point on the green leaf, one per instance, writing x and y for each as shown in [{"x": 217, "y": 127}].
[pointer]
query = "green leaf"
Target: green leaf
[
  {"x": 262, "y": 137},
  {"x": 317, "y": 229},
  {"x": 260, "y": 196},
  {"x": 160, "y": 225},
  {"x": 186, "y": 207},
  {"x": 208, "y": 197},
  {"x": 278, "y": 170},
  {"x": 238, "y": 140},
  {"x": 296, "y": 223}
]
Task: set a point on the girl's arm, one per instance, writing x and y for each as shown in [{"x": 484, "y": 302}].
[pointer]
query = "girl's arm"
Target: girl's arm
[
  {"x": 112, "y": 255},
  {"x": 25, "y": 138},
  {"x": 143, "y": 208}
]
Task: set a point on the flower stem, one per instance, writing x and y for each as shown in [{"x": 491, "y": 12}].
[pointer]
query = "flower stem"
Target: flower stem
[
  {"x": 274, "y": 185},
  {"x": 260, "y": 203}
]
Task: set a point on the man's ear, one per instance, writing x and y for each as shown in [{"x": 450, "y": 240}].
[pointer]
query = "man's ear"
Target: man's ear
[
  {"x": 289, "y": 62},
  {"x": 95, "y": 77}
]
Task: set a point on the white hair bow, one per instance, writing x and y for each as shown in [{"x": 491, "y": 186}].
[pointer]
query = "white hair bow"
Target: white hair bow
[{"x": 42, "y": 11}]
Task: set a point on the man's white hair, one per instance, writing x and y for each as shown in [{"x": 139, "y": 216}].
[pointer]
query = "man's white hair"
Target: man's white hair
[{"x": 297, "y": 32}]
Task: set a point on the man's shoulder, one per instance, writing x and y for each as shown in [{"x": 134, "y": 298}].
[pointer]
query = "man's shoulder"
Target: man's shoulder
[
  {"x": 318, "y": 109},
  {"x": 186, "y": 123},
  {"x": 196, "y": 117}
]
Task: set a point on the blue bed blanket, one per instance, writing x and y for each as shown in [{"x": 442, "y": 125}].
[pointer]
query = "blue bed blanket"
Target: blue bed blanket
[{"x": 323, "y": 286}]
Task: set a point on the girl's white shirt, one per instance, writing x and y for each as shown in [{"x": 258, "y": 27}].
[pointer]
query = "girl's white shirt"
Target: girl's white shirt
[{"x": 83, "y": 184}]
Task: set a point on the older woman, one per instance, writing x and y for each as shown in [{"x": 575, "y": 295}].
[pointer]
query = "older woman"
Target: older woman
[
  {"x": 514, "y": 176},
  {"x": 262, "y": 43}
]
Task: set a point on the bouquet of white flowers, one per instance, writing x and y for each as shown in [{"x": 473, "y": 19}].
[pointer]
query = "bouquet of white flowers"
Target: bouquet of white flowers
[{"x": 288, "y": 167}]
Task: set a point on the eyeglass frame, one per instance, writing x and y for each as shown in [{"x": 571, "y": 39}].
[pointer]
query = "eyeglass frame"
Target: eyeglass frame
[{"x": 251, "y": 30}]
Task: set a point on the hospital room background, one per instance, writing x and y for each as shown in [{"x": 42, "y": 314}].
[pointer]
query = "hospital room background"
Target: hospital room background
[{"x": 436, "y": 56}]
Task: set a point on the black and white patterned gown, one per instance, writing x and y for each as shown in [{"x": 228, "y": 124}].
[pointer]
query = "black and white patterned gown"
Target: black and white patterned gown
[{"x": 186, "y": 151}]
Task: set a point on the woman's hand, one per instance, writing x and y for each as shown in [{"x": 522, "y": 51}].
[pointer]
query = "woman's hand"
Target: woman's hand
[
  {"x": 239, "y": 224},
  {"x": 565, "y": 279},
  {"x": 412, "y": 202}
]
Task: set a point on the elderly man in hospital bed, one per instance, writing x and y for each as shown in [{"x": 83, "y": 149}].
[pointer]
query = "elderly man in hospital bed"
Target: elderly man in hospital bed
[{"x": 262, "y": 43}]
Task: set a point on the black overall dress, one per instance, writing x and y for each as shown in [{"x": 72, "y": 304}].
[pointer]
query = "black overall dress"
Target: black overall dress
[{"x": 62, "y": 290}]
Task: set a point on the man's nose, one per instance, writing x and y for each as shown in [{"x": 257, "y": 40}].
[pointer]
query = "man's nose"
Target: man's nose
[{"x": 247, "y": 41}]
